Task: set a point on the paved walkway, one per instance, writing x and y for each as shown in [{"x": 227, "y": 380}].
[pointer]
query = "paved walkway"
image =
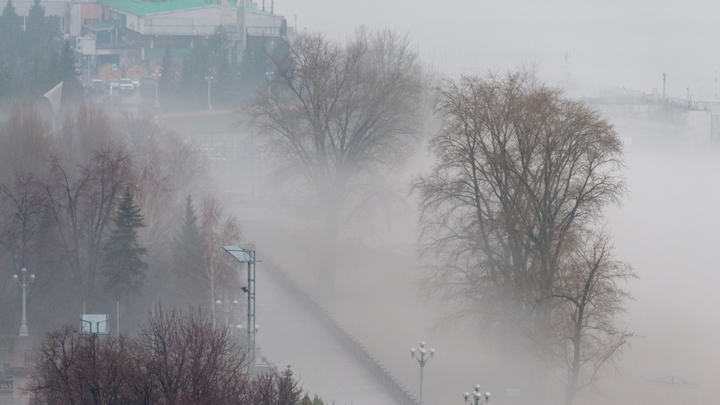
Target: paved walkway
[{"x": 289, "y": 335}]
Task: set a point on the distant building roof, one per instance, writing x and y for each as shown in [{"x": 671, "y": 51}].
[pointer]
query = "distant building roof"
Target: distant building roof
[{"x": 141, "y": 7}]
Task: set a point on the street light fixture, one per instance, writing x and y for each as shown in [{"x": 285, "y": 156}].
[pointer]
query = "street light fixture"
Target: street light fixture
[
  {"x": 209, "y": 80},
  {"x": 478, "y": 396},
  {"x": 422, "y": 360},
  {"x": 157, "y": 83},
  {"x": 227, "y": 309},
  {"x": 248, "y": 256},
  {"x": 24, "y": 285}
]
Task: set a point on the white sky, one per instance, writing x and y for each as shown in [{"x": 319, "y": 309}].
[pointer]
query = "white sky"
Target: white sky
[{"x": 611, "y": 42}]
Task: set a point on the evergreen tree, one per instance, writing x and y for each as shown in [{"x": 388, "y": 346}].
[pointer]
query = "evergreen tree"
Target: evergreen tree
[
  {"x": 167, "y": 79},
  {"x": 40, "y": 53},
  {"x": 211, "y": 57},
  {"x": 254, "y": 67},
  {"x": 124, "y": 267},
  {"x": 72, "y": 88},
  {"x": 10, "y": 19},
  {"x": 36, "y": 17},
  {"x": 188, "y": 255},
  {"x": 9, "y": 57}
]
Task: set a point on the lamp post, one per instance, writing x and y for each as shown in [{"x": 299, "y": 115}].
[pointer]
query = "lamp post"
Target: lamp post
[
  {"x": 248, "y": 256},
  {"x": 479, "y": 397},
  {"x": 24, "y": 285},
  {"x": 226, "y": 309},
  {"x": 209, "y": 80},
  {"x": 157, "y": 83},
  {"x": 421, "y": 359}
]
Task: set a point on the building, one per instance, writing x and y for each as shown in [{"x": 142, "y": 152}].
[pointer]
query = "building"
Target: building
[{"x": 137, "y": 32}]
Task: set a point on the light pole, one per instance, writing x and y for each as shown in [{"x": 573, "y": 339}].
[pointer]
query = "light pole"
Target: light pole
[
  {"x": 248, "y": 256},
  {"x": 209, "y": 80},
  {"x": 421, "y": 359},
  {"x": 157, "y": 83},
  {"x": 479, "y": 397},
  {"x": 24, "y": 285},
  {"x": 226, "y": 308}
]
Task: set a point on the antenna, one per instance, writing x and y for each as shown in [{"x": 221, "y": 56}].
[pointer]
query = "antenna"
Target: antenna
[{"x": 567, "y": 68}]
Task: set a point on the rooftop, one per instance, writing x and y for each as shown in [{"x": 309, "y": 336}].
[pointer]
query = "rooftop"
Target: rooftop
[{"x": 141, "y": 7}]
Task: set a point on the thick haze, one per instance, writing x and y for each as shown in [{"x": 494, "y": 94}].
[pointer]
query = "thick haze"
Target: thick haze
[
  {"x": 614, "y": 42},
  {"x": 668, "y": 228}
]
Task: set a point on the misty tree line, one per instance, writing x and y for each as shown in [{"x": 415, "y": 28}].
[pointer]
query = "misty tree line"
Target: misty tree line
[
  {"x": 511, "y": 211},
  {"x": 236, "y": 75},
  {"x": 103, "y": 211},
  {"x": 34, "y": 60}
]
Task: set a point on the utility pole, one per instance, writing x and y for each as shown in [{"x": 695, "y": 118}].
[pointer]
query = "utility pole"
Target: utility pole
[
  {"x": 664, "y": 76},
  {"x": 209, "y": 80}
]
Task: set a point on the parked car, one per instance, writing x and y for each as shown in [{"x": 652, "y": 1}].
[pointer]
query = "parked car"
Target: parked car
[
  {"x": 135, "y": 83},
  {"x": 97, "y": 86},
  {"x": 114, "y": 84},
  {"x": 126, "y": 86}
]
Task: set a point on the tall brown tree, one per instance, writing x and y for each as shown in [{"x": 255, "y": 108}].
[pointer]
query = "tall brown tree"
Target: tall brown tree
[
  {"x": 510, "y": 208},
  {"x": 339, "y": 116},
  {"x": 518, "y": 169}
]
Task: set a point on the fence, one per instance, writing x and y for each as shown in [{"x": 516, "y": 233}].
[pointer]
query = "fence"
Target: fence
[{"x": 349, "y": 342}]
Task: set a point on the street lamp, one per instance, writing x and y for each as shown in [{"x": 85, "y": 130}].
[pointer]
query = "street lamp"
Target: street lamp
[
  {"x": 479, "y": 397},
  {"x": 422, "y": 360},
  {"x": 209, "y": 80},
  {"x": 247, "y": 256},
  {"x": 24, "y": 285},
  {"x": 157, "y": 83},
  {"x": 227, "y": 309}
]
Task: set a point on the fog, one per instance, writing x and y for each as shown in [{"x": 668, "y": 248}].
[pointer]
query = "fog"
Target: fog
[
  {"x": 615, "y": 42},
  {"x": 667, "y": 228}
]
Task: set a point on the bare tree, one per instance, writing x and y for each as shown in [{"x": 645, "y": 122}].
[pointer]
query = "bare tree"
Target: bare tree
[
  {"x": 587, "y": 298},
  {"x": 24, "y": 221},
  {"x": 82, "y": 202},
  {"x": 520, "y": 180},
  {"x": 217, "y": 230},
  {"x": 518, "y": 169},
  {"x": 336, "y": 117},
  {"x": 179, "y": 357}
]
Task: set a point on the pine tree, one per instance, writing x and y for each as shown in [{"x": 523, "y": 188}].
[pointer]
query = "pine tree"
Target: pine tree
[
  {"x": 188, "y": 256},
  {"x": 72, "y": 89},
  {"x": 167, "y": 79},
  {"x": 10, "y": 18},
  {"x": 124, "y": 267}
]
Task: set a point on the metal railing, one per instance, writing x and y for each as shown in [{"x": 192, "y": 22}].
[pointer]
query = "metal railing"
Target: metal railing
[{"x": 348, "y": 341}]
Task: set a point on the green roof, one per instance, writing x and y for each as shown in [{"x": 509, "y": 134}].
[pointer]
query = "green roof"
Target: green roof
[{"x": 142, "y": 7}]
